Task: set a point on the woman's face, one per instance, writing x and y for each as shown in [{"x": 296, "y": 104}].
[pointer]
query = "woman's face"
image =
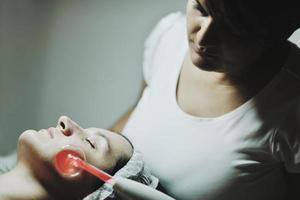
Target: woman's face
[
  {"x": 213, "y": 47},
  {"x": 102, "y": 149}
]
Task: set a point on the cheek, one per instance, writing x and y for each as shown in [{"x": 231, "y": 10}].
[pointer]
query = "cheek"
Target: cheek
[
  {"x": 240, "y": 53},
  {"x": 104, "y": 162},
  {"x": 192, "y": 24},
  {"x": 34, "y": 154},
  {"x": 28, "y": 145}
]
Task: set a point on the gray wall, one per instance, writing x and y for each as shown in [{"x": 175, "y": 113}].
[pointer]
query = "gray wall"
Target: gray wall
[{"x": 81, "y": 58}]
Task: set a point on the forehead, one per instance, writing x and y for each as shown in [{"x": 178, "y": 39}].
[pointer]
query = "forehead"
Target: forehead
[
  {"x": 111, "y": 136},
  {"x": 93, "y": 131},
  {"x": 97, "y": 133},
  {"x": 105, "y": 133}
]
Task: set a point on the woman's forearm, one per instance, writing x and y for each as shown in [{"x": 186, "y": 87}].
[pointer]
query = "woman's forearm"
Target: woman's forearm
[
  {"x": 119, "y": 125},
  {"x": 122, "y": 121}
]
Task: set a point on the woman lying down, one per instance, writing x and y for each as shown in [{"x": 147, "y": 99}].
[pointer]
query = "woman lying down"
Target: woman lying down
[{"x": 35, "y": 177}]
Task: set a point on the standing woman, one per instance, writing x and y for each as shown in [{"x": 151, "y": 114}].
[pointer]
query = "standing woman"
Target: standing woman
[{"x": 219, "y": 118}]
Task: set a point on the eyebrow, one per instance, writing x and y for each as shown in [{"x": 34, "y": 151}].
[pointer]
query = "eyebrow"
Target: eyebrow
[
  {"x": 99, "y": 133},
  {"x": 126, "y": 138},
  {"x": 122, "y": 135}
]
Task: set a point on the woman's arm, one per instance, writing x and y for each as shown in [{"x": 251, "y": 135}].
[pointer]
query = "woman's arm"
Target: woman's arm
[{"x": 122, "y": 121}]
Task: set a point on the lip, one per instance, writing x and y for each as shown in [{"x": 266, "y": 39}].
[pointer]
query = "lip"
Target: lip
[
  {"x": 49, "y": 130},
  {"x": 211, "y": 51},
  {"x": 207, "y": 53}
]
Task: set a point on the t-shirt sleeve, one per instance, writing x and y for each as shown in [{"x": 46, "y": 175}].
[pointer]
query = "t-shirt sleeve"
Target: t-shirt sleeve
[
  {"x": 286, "y": 140},
  {"x": 152, "y": 44}
]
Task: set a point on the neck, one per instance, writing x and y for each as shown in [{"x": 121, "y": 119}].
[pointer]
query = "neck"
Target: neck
[
  {"x": 256, "y": 76},
  {"x": 205, "y": 78},
  {"x": 251, "y": 79},
  {"x": 20, "y": 184}
]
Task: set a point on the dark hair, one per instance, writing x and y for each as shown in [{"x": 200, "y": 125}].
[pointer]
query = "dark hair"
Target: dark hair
[
  {"x": 124, "y": 159},
  {"x": 264, "y": 20},
  {"x": 120, "y": 163}
]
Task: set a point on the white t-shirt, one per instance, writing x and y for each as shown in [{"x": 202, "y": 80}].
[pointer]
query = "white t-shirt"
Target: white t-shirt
[{"x": 241, "y": 155}]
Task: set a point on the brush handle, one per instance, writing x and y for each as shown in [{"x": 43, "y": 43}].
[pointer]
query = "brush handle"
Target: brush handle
[
  {"x": 132, "y": 190},
  {"x": 93, "y": 170}
]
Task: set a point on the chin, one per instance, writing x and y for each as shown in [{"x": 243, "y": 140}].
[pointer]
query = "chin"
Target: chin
[
  {"x": 28, "y": 138},
  {"x": 203, "y": 63},
  {"x": 32, "y": 147}
]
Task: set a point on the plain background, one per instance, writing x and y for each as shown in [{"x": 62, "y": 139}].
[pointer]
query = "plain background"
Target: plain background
[{"x": 80, "y": 58}]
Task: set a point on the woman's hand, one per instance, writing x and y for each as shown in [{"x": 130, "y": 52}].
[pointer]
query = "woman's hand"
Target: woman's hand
[{"x": 129, "y": 189}]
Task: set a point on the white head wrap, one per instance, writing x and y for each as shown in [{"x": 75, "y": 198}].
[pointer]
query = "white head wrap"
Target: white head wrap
[{"x": 135, "y": 169}]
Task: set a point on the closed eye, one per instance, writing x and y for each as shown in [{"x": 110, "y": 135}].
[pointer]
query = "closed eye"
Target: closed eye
[{"x": 90, "y": 143}]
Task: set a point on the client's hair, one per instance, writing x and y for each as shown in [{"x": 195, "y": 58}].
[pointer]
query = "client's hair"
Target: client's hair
[{"x": 120, "y": 164}]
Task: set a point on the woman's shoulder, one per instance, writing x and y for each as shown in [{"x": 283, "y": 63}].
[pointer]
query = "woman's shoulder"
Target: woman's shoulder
[
  {"x": 170, "y": 28},
  {"x": 165, "y": 24},
  {"x": 172, "y": 18}
]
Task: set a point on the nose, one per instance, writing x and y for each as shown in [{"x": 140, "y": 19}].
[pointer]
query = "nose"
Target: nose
[
  {"x": 67, "y": 126},
  {"x": 207, "y": 34}
]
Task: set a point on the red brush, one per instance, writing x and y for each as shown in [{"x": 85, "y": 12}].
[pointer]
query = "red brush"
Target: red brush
[{"x": 71, "y": 160}]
